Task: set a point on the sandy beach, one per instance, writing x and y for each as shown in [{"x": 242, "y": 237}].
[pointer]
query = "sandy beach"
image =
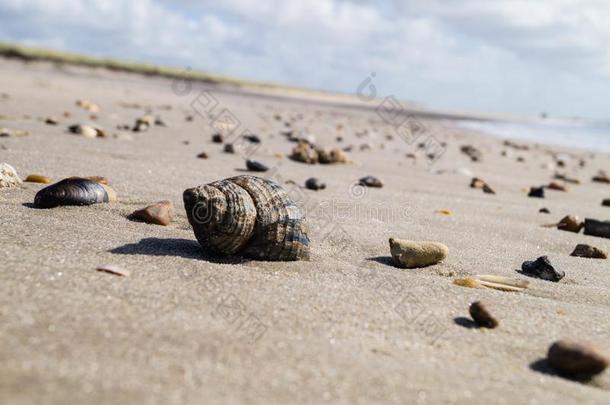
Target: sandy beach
[{"x": 345, "y": 327}]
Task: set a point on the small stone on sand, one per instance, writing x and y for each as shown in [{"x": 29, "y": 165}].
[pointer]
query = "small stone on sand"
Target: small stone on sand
[
  {"x": 481, "y": 184},
  {"x": 202, "y": 155},
  {"x": 370, "y": 181},
  {"x": 594, "y": 227},
  {"x": 217, "y": 138},
  {"x": 536, "y": 192},
  {"x": 88, "y": 105},
  {"x": 113, "y": 269},
  {"x": 576, "y": 359},
  {"x": 544, "y": 211},
  {"x": 601, "y": 177},
  {"x": 160, "y": 213},
  {"x": 566, "y": 178},
  {"x": 304, "y": 153},
  {"x": 481, "y": 315},
  {"x": 588, "y": 251},
  {"x": 314, "y": 184},
  {"x": 556, "y": 186},
  {"x": 144, "y": 123},
  {"x": 543, "y": 269},
  {"x": 570, "y": 223},
  {"x": 85, "y": 130},
  {"x": 473, "y": 153},
  {"x": 38, "y": 178},
  {"x": 17, "y": 133},
  {"x": 252, "y": 138},
  {"x": 8, "y": 176},
  {"x": 256, "y": 166},
  {"x": 606, "y": 202},
  {"x": 412, "y": 254}
]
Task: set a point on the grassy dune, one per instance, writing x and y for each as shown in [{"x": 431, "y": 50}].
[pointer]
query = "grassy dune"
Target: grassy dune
[{"x": 27, "y": 53}]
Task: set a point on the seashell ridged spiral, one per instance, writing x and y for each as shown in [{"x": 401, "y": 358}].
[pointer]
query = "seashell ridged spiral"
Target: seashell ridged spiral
[{"x": 247, "y": 215}]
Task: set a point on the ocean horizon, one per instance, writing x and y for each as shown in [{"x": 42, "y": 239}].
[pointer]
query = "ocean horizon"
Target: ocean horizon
[{"x": 590, "y": 135}]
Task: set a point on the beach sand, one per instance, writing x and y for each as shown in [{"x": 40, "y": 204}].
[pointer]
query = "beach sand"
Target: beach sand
[{"x": 346, "y": 326}]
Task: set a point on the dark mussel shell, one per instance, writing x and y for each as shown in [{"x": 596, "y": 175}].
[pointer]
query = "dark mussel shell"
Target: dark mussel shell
[{"x": 73, "y": 191}]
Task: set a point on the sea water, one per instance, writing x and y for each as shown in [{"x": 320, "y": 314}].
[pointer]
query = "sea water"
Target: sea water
[{"x": 591, "y": 135}]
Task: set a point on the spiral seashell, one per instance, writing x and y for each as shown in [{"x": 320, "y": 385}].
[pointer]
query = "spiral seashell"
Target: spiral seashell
[
  {"x": 73, "y": 191},
  {"x": 249, "y": 216}
]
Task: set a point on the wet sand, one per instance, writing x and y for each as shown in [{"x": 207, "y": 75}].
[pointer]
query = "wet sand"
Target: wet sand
[{"x": 345, "y": 327}]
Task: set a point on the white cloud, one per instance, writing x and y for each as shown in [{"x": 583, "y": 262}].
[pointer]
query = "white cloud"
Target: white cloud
[{"x": 472, "y": 54}]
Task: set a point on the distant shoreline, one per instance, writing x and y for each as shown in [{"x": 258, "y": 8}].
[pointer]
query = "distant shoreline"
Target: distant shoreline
[{"x": 28, "y": 54}]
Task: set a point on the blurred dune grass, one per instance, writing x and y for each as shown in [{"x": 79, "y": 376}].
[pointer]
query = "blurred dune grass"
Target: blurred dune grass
[{"x": 31, "y": 54}]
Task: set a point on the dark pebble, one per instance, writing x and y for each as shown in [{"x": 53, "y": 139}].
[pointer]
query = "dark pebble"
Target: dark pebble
[
  {"x": 606, "y": 202},
  {"x": 542, "y": 268},
  {"x": 370, "y": 181},
  {"x": 314, "y": 184},
  {"x": 229, "y": 148},
  {"x": 576, "y": 359},
  {"x": 544, "y": 211},
  {"x": 536, "y": 192},
  {"x": 252, "y": 138},
  {"x": 481, "y": 315},
  {"x": 255, "y": 166},
  {"x": 217, "y": 138},
  {"x": 202, "y": 155},
  {"x": 594, "y": 227},
  {"x": 473, "y": 153}
]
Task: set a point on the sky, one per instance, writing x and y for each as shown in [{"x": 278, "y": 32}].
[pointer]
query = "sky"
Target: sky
[{"x": 515, "y": 56}]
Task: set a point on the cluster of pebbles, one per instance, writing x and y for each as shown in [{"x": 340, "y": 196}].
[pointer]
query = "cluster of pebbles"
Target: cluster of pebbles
[
  {"x": 306, "y": 153},
  {"x": 254, "y": 217}
]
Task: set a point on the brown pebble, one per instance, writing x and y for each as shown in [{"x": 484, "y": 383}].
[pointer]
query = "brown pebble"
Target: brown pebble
[
  {"x": 202, "y": 155},
  {"x": 37, "y": 178},
  {"x": 544, "y": 211},
  {"x": 160, "y": 213},
  {"x": 473, "y": 153},
  {"x": 576, "y": 358},
  {"x": 556, "y": 186},
  {"x": 588, "y": 251},
  {"x": 567, "y": 179},
  {"x": 481, "y": 184},
  {"x": 51, "y": 121},
  {"x": 606, "y": 202},
  {"x": 217, "y": 138},
  {"x": 229, "y": 148},
  {"x": 570, "y": 223},
  {"x": 601, "y": 177},
  {"x": 112, "y": 269},
  {"x": 481, "y": 315}
]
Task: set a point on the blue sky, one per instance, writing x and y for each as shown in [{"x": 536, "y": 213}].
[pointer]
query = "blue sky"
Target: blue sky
[{"x": 490, "y": 55}]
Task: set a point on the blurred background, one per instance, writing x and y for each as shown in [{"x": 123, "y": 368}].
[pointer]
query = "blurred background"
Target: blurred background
[{"x": 547, "y": 56}]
